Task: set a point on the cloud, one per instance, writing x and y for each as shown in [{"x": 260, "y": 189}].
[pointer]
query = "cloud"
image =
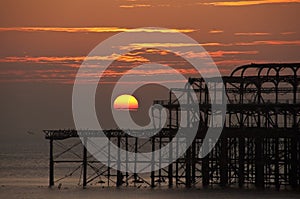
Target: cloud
[
  {"x": 90, "y": 29},
  {"x": 44, "y": 59},
  {"x": 216, "y": 54},
  {"x": 157, "y": 45},
  {"x": 269, "y": 42},
  {"x": 215, "y": 31},
  {"x": 129, "y": 58},
  {"x": 66, "y": 61},
  {"x": 129, "y": 4},
  {"x": 248, "y": 3},
  {"x": 63, "y": 69},
  {"x": 136, "y": 6},
  {"x": 52, "y": 73},
  {"x": 135, "y": 46},
  {"x": 75, "y": 59},
  {"x": 34, "y": 72},
  {"x": 288, "y": 33},
  {"x": 252, "y": 33},
  {"x": 220, "y": 53}
]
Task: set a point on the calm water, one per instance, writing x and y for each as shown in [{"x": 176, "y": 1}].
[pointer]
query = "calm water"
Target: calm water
[
  {"x": 23, "y": 162},
  {"x": 24, "y": 174}
]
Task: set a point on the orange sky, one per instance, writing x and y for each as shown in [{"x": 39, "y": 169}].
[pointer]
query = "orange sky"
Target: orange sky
[
  {"x": 43, "y": 43},
  {"x": 47, "y": 40}
]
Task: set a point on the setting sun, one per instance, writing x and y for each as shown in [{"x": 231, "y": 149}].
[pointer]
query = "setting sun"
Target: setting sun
[{"x": 126, "y": 102}]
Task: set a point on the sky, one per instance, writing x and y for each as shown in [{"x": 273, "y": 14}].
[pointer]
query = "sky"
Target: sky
[{"x": 44, "y": 42}]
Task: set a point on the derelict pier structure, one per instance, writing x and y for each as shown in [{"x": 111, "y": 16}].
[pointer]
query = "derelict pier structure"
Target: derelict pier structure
[{"x": 259, "y": 145}]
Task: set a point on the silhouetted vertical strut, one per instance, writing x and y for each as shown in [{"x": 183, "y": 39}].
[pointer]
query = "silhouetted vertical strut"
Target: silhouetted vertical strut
[
  {"x": 259, "y": 163},
  {"x": 119, "y": 172},
  {"x": 84, "y": 162},
  {"x": 241, "y": 161},
  {"x": 51, "y": 164},
  {"x": 224, "y": 162}
]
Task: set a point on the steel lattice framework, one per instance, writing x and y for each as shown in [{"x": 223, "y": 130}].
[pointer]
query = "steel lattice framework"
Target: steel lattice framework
[{"x": 259, "y": 145}]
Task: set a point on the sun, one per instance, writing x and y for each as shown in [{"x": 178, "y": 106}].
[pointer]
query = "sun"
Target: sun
[{"x": 126, "y": 102}]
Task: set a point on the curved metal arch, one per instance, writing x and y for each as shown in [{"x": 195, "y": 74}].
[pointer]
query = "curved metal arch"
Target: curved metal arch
[
  {"x": 269, "y": 67},
  {"x": 277, "y": 66},
  {"x": 293, "y": 69},
  {"x": 242, "y": 69}
]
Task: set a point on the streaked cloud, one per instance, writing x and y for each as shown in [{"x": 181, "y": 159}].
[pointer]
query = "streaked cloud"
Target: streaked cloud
[
  {"x": 149, "y": 72},
  {"x": 157, "y": 45},
  {"x": 252, "y": 33},
  {"x": 42, "y": 60},
  {"x": 248, "y": 3},
  {"x": 231, "y": 3},
  {"x": 269, "y": 42},
  {"x": 128, "y": 4},
  {"x": 57, "y": 60},
  {"x": 135, "y": 46},
  {"x": 57, "y": 74},
  {"x": 213, "y": 44},
  {"x": 34, "y": 72},
  {"x": 136, "y": 6},
  {"x": 90, "y": 29},
  {"x": 65, "y": 29},
  {"x": 63, "y": 69},
  {"x": 215, "y": 31},
  {"x": 72, "y": 61},
  {"x": 288, "y": 33},
  {"x": 220, "y": 53},
  {"x": 129, "y": 58},
  {"x": 149, "y": 49},
  {"x": 216, "y": 54}
]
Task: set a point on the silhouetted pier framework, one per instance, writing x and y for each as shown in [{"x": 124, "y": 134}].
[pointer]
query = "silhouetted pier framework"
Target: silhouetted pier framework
[{"x": 259, "y": 145}]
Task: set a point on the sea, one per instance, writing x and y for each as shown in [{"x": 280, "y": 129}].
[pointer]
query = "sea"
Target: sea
[{"x": 24, "y": 173}]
